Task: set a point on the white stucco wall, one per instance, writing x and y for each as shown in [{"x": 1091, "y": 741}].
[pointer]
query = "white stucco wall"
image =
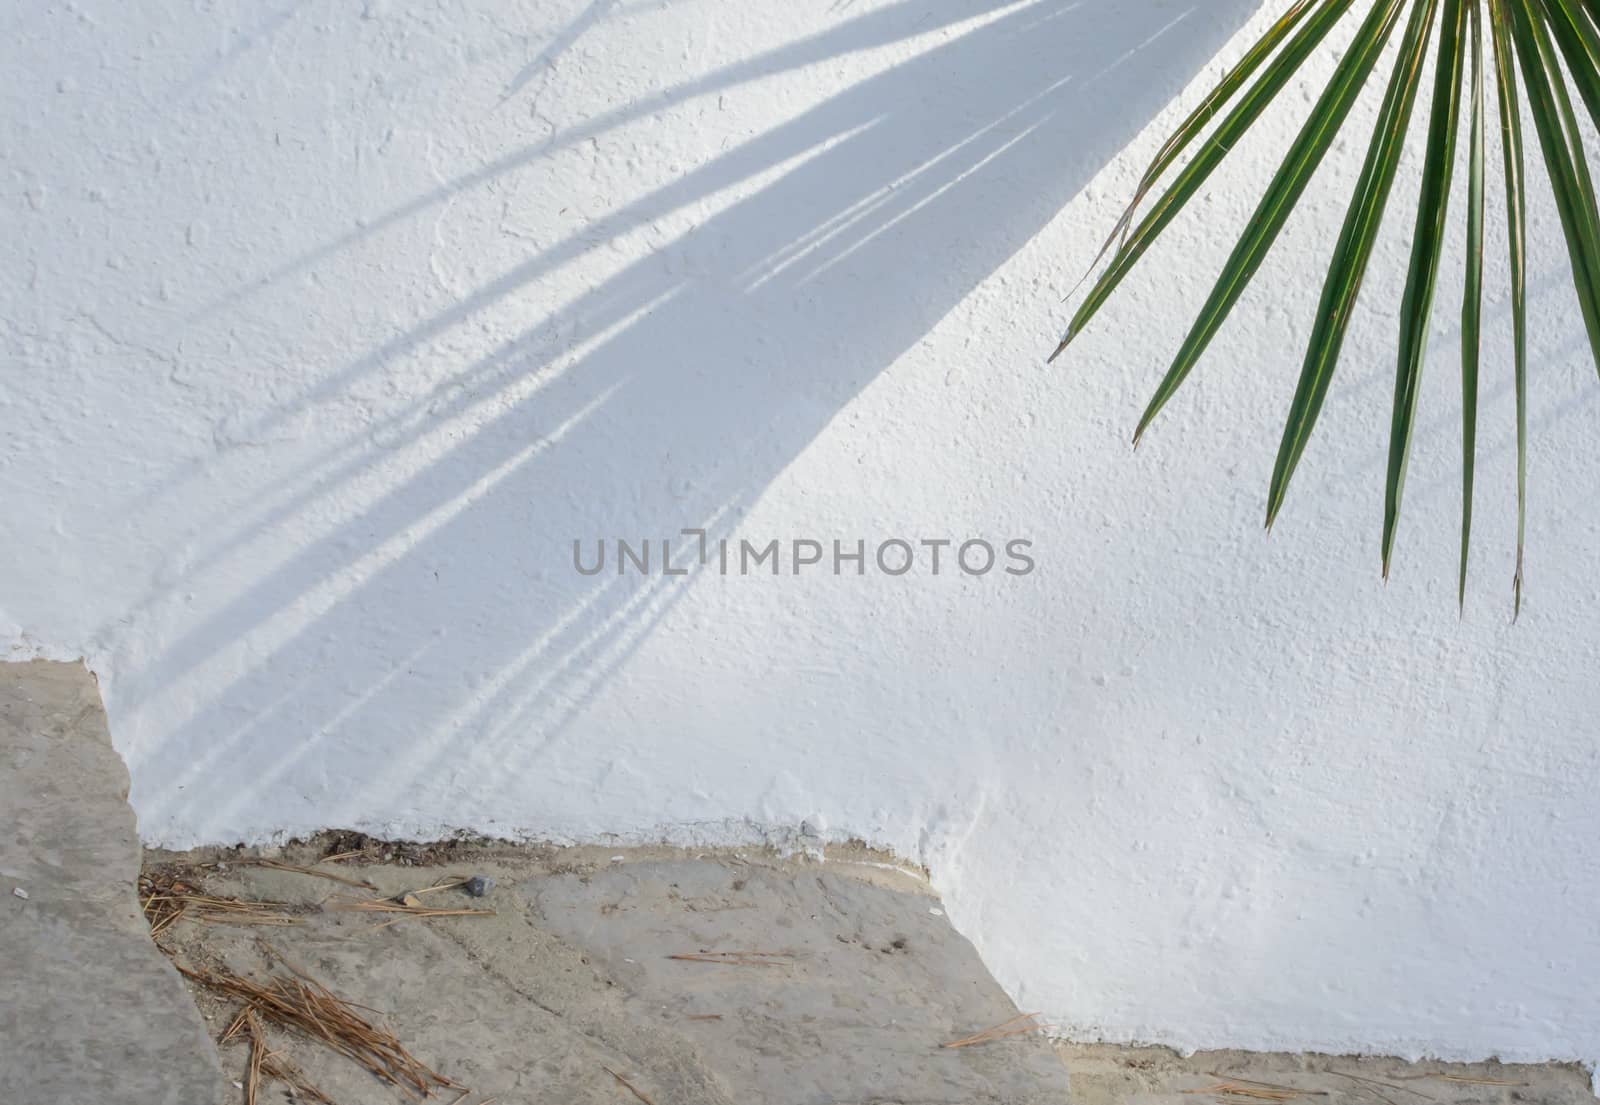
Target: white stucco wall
[{"x": 329, "y": 325}]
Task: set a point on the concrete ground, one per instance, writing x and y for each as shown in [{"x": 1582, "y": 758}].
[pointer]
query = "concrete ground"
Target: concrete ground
[
  {"x": 90, "y": 1011},
  {"x": 579, "y": 977},
  {"x": 853, "y": 981},
  {"x": 653, "y": 976},
  {"x": 1114, "y": 1075}
]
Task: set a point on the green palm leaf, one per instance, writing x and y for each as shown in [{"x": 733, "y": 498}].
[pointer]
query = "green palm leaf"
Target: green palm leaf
[
  {"x": 1517, "y": 229},
  {"x": 1237, "y": 123},
  {"x": 1472, "y": 302},
  {"x": 1580, "y": 45},
  {"x": 1556, "y": 46},
  {"x": 1350, "y": 257},
  {"x": 1195, "y": 124},
  {"x": 1315, "y": 137},
  {"x": 1426, "y": 242},
  {"x": 1565, "y": 158}
]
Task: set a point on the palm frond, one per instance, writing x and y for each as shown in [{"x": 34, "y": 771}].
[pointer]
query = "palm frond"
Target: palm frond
[
  {"x": 1195, "y": 124},
  {"x": 1312, "y": 144},
  {"x": 1472, "y": 300},
  {"x": 1552, "y": 45},
  {"x": 1427, "y": 241},
  {"x": 1562, "y": 142},
  {"x": 1350, "y": 258},
  {"x": 1237, "y": 123},
  {"x": 1516, "y": 236}
]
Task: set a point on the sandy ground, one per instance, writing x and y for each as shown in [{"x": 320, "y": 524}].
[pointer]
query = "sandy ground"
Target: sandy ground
[
  {"x": 1112, "y": 1075},
  {"x": 569, "y": 991}
]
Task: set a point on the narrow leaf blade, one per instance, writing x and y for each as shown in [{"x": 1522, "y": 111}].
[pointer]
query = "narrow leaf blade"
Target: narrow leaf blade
[
  {"x": 1427, "y": 241},
  {"x": 1472, "y": 299},
  {"x": 1561, "y": 142},
  {"x": 1194, "y": 125},
  {"x": 1310, "y": 146},
  {"x": 1350, "y": 256},
  {"x": 1212, "y": 153},
  {"x": 1511, "y": 146}
]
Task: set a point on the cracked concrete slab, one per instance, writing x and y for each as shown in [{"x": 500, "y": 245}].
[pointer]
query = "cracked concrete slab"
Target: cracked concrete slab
[{"x": 90, "y": 1011}]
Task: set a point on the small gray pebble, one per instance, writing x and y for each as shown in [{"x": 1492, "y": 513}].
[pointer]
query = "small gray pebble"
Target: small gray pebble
[{"x": 478, "y": 885}]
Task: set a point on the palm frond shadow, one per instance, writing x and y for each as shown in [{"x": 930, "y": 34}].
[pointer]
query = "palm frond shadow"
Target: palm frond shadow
[{"x": 619, "y": 415}]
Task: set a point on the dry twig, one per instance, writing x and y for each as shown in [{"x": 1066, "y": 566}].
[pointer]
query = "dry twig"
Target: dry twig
[
  {"x": 272, "y": 1064},
  {"x": 411, "y": 908},
  {"x": 1243, "y": 1089},
  {"x": 167, "y": 899},
  {"x": 279, "y": 1066},
  {"x": 313, "y": 1010},
  {"x": 1368, "y": 1083},
  {"x": 257, "y": 861},
  {"x": 738, "y": 959},
  {"x": 235, "y": 1026},
  {"x": 1016, "y": 1026},
  {"x": 450, "y": 884},
  {"x": 1469, "y": 1080},
  {"x": 1297, "y": 1091},
  {"x": 258, "y": 1052},
  {"x": 629, "y": 1086}
]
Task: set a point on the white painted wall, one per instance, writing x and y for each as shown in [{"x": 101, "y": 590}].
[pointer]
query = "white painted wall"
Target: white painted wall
[{"x": 328, "y": 326}]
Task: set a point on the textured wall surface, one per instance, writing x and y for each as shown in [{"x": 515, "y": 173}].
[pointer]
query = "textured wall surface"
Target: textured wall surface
[{"x": 328, "y": 327}]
